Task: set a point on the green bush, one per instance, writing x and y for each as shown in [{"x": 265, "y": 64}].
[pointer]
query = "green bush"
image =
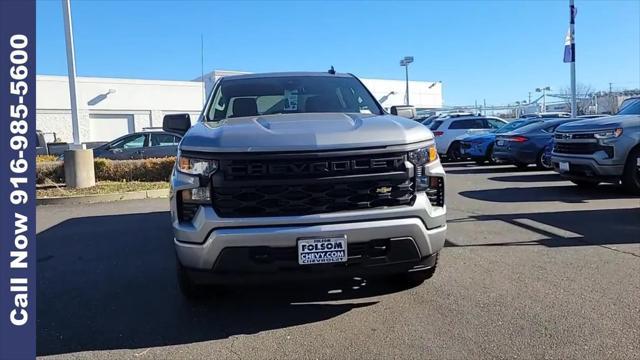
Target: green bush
[{"x": 111, "y": 170}]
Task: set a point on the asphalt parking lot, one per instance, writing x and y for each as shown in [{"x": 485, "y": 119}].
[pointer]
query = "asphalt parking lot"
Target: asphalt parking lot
[{"x": 533, "y": 268}]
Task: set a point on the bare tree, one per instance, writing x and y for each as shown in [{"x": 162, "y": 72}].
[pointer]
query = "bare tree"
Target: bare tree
[{"x": 584, "y": 97}]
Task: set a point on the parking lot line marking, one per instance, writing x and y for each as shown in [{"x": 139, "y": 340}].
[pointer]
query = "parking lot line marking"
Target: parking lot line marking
[{"x": 547, "y": 228}]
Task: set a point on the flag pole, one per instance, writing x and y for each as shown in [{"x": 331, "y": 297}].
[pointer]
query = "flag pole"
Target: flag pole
[{"x": 573, "y": 63}]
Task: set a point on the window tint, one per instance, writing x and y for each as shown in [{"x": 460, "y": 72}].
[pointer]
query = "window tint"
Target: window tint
[
  {"x": 468, "y": 124},
  {"x": 495, "y": 124},
  {"x": 630, "y": 107},
  {"x": 130, "y": 142},
  {"x": 290, "y": 94},
  {"x": 436, "y": 124},
  {"x": 164, "y": 140}
]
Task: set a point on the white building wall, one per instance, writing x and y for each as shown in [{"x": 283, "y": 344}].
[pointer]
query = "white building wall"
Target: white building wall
[{"x": 146, "y": 101}]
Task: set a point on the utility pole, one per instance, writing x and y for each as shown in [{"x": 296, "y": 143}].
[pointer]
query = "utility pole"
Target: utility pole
[
  {"x": 71, "y": 72},
  {"x": 405, "y": 62},
  {"x": 572, "y": 15}
]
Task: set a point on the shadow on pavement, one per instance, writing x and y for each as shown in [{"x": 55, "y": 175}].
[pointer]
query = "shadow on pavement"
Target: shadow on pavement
[
  {"x": 566, "y": 193},
  {"x": 569, "y": 228},
  {"x": 529, "y": 178},
  {"x": 108, "y": 282},
  {"x": 479, "y": 169}
]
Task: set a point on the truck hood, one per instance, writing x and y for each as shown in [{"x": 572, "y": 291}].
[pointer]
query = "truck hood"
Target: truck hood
[
  {"x": 304, "y": 131},
  {"x": 608, "y": 122}
]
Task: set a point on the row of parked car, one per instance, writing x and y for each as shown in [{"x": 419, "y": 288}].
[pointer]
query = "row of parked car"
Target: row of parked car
[{"x": 587, "y": 150}]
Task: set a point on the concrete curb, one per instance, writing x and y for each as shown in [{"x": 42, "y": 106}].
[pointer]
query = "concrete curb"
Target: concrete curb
[{"x": 92, "y": 199}]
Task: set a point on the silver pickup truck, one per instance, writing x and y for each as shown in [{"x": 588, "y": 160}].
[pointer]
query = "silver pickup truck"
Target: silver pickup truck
[
  {"x": 303, "y": 175},
  {"x": 606, "y": 149}
]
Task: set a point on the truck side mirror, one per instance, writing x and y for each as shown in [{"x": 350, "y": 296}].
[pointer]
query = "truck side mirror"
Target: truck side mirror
[
  {"x": 407, "y": 111},
  {"x": 176, "y": 123}
]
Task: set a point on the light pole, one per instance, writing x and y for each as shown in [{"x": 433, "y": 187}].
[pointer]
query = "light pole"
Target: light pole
[
  {"x": 405, "y": 62},
  {"x": 544, "y": 96}
]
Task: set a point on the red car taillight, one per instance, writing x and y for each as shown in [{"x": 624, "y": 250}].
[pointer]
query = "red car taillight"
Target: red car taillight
[
  {"x": 517, "y": 138},
  {"x": 438, "y": 133}
]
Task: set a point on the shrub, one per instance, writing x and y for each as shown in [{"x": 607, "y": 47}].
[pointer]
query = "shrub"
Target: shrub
[
  {"x": 46, "y": 158},
  {"x": 112, "y": 170}
]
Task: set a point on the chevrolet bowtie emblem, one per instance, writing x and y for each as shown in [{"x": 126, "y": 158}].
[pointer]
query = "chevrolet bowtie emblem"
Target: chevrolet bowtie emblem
[{"x": 383, "y": 190}]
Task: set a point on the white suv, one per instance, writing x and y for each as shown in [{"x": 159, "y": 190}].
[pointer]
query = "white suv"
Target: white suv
[{"x": 447, "y": 129}]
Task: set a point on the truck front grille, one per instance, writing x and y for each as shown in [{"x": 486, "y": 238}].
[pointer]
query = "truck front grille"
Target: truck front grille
[
  {"x": 311, "y": 186},
  {"x": 581, "y": 148}
]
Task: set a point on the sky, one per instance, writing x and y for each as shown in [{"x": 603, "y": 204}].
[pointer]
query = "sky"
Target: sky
[{"x": 497, "y": 51}]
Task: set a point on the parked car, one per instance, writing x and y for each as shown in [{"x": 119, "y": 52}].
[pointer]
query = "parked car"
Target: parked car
[
  {"x": 607, "y": 149},
  {"x": 547, "y": 115},
  {"x": 479, "y": 147},
  {"x": 447, "y": 129},
  {"x": 525, "y": 145},
  {"x": 139, "y": 145},
  {"x": 303, "y": 175}
]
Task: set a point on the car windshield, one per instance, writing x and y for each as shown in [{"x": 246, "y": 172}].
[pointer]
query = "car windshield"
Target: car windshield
[
  {"x": 630, "y": 107},
  {"x": 290, "y": 94},
  {"x": 510, "y": 126}
]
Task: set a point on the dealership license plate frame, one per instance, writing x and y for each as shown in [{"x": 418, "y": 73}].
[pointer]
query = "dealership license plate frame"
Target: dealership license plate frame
[
  {"x": 334, "y": 240},
  {"x": 564, "y": 166}
]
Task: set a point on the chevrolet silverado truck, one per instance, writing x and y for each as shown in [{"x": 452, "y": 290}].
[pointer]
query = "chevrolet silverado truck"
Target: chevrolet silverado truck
[
  {"x": 605, "y": 149},
  {"x": 303, "y": 175}
]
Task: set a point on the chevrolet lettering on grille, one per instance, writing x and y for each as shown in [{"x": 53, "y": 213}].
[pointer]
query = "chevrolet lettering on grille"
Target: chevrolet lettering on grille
[{"x": 325, "y": 168}]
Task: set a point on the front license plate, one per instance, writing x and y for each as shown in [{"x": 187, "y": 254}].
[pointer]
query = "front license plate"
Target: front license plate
[
  {"x": 564, "y": 166},
  {"x": 322, "y": 250},
  {"x": 500, "y": 142}
]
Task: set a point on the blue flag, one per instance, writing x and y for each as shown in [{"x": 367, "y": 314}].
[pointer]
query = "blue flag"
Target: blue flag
[{"x": 569, "y": 40}]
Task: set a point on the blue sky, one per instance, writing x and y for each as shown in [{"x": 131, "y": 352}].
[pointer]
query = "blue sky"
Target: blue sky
[{"x": 493, "y": 50}]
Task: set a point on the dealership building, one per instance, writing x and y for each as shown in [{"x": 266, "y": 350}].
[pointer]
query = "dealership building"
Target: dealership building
[{"x": 111, "y": 107}]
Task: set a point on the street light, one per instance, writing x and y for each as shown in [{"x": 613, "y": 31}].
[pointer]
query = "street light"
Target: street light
[
  {"x": 544, "y": 96},
  {"x": 405, "y": 62}
]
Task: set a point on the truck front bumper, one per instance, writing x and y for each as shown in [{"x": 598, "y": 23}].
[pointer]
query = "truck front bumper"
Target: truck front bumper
[
  {"x": 587, "y": 168},
  {"x": 386, "y": 236}
]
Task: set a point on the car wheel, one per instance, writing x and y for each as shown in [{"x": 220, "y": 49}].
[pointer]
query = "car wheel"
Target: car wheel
[
  {"x": 453, "y": 154},
  {"x": 489, "y": 155},
  {"x": 631, "y": 175},
  {"x": 188, "y": 288},
  {"x": 521, "y": 166},
  {"x": 586, "y": 184},
  {"x": 543, "y": 163}
]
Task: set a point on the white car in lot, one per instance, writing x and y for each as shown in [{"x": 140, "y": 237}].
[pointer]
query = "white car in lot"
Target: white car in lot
[{"x": 447, "y": 129}]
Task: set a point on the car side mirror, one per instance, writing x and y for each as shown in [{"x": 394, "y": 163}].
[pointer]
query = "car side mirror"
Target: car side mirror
[
  {"x": 406, "y": 111},
  {"x": 176, "y": 123}
]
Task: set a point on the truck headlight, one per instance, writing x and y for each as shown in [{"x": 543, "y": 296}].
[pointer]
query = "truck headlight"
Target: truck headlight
[
  {"x": 196, "y": 166},
  {"x": 608, "y": 134},
  {"x": 423, "y": 155}
]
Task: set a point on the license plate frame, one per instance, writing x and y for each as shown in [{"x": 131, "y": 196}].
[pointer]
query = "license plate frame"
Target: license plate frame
[{"x": 322, "y": 250}]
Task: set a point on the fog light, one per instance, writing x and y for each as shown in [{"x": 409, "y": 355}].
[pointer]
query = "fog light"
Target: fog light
[{"x": 200, "y": 194}]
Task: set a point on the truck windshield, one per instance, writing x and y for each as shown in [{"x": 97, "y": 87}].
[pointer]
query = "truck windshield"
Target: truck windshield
[
  {"x": 630, "y": 107},
  {"x": 290, "y": 94}
]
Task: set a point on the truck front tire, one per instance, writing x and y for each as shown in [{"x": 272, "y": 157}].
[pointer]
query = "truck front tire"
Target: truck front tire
[{"x": 631, "y": 176}]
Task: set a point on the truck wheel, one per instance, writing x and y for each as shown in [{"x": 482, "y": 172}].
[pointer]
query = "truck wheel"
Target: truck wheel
[
  {"x": 586, "y": 184},
  {"x": 188, "y": 287},
  {"x": 631, "y": 175}
]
